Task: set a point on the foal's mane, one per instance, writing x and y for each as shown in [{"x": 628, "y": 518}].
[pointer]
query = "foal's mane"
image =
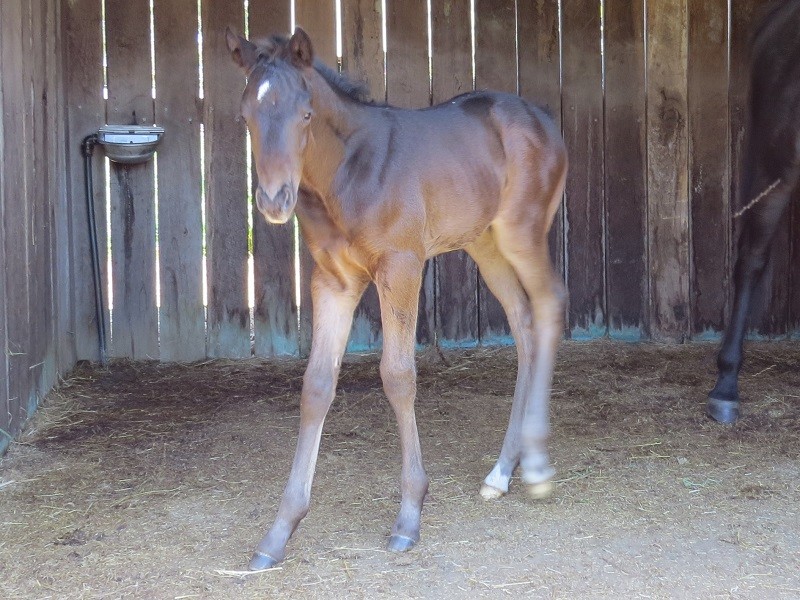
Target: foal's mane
[{"x": 275, "y": 47}]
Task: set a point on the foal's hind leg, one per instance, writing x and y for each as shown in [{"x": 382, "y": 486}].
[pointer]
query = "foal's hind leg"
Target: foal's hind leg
[
  {"x": 529, "y": 255},
  {"x": 502, "y": 280}
]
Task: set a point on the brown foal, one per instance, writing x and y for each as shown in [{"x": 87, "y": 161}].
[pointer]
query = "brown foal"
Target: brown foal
[{"x": 379, "y": 190}]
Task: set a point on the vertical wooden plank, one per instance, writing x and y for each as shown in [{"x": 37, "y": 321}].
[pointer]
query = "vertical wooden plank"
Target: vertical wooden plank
[
  {"x": 16, "y": 189},
  {"x": 362, "y": 44},
  {"x": 40, "y": 291},
  {"x": 61, "y": 356},
  {"x": 625, "y": 169},
  {"x": 275, "y": 311},
  {"x": 667, "y": 176},
  {"x": 408, "y": 86},
  {"x": 226, "y": 186},
  {"x": 539, "y": 67},
  {"x": 456, "y": 272},
  {"x": 407, "y": 82},
  {"x": 363, "y": 59},
  {"x": 134, "y": 323},
  {"x": 5, "y": 424},
  {"x": 318, "y": 19},
  {"x": 85, "y": 112},
  {"x": 181, "y": 316},
  {"x": 709, "y": 189},
  {"x": 495, "y": 69},
  {"x": 582, "y": 117}
]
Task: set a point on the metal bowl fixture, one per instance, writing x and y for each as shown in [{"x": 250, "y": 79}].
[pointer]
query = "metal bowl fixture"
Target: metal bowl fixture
[{"x": 130, "y": 144}]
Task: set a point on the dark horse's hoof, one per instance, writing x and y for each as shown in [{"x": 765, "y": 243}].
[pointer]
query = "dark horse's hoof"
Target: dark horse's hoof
[
  {"x": 261, "y": 561},
  {"x": 401, "y": 543},
  {"x": 723, "y": 411}
]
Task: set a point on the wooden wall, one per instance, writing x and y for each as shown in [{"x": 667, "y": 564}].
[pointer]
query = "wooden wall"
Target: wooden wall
[
  {"x": 35, "y": 281},
  {"x": 650, "y": 97}
]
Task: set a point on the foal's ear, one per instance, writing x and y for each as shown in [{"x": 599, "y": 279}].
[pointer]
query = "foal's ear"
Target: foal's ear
[
  {"x": 300, "y": 49},
  {"x": 243, "y": 52}
]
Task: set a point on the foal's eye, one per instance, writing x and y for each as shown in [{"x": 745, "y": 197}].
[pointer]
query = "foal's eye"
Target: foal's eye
[{"x": 307, "y": 116}]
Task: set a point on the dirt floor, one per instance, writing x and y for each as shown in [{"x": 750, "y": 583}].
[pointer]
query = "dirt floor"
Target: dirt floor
[{"x": 153, "y": 481}]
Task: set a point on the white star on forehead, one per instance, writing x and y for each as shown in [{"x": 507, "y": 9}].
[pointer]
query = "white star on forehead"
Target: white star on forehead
[{"x": 263, "y": 89}]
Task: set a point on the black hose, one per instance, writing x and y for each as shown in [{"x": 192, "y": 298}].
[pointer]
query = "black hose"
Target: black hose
[{"x": 87, "y": 148}]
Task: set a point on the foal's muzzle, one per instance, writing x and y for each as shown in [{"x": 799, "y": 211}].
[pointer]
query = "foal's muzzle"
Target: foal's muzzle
[{"x": 278, "y": 208}]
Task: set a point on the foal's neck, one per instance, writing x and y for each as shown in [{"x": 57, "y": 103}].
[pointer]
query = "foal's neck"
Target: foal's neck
[{"x": 335, "y": 120}]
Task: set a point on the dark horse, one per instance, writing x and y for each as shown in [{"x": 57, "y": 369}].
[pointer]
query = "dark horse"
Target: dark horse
[
  {"x": 377, "y": 191},
  {"x": 770, "y": 174}
]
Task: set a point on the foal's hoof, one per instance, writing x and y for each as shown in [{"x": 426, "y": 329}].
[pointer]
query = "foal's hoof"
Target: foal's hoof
[
  {"x": 539, "y": 491},
  {"x": 489, "y": 492},
  {"x": 400, "y": 543},
  {"x": 723, "y": 411},
  {"x": 261, "y": 561}
]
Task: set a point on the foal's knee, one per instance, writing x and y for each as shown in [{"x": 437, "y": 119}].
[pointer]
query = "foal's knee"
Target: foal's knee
[{"x": 399, "y": 378}]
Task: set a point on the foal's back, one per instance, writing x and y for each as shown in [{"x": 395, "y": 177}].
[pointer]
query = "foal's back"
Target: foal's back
[{"x": 452, "y": 169}]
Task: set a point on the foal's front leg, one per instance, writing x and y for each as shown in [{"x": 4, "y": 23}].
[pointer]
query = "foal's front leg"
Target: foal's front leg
[
  {"x": 398, "y": 282},
  {"x": 333, "y": 315}
]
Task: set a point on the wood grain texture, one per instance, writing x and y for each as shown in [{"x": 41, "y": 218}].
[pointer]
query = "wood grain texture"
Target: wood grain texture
[
  {"x": 17, "y": 188},
  {"x": 83, "y": 80},
  {"x": 5, "y": 421},
  {"x": 275, "y": 314},
  {"x": 363, "y": 59},
  {"x": 495, "y": 69},
  {"x": 667, "y": 153},
  {"x": 495, "y": 45},
  {"x": 709, "y": 169},
  {"x": 539, "y": 65},
  {"x": 625, "y": 170},
  {"x": 793, "y": 326},
  {"x": 582, "y": 118},
  {"x": 362, "y": 44},
  {"x": 134, "y": 322},
  {"x": 63, "y": 349},
  {"x": 181, "y": 315},
  {"x": 228, "y": 325},
  {"x": 408, "y": 86},
  {"x": 456, "y": 272}
]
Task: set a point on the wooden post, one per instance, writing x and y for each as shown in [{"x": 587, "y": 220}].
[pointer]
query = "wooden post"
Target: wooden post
[
  {"x": 625, "y": 170},
  {"x": 667, "y": 152}
]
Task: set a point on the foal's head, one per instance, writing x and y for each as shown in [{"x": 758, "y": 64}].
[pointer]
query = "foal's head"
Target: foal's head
[{"x": 276, "y": 106}]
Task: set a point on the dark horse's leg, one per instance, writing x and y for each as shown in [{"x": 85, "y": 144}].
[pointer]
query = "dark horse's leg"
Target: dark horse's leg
[
  {"x": 755, "y": 242},
  {"x": 333, "y": 309}
]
